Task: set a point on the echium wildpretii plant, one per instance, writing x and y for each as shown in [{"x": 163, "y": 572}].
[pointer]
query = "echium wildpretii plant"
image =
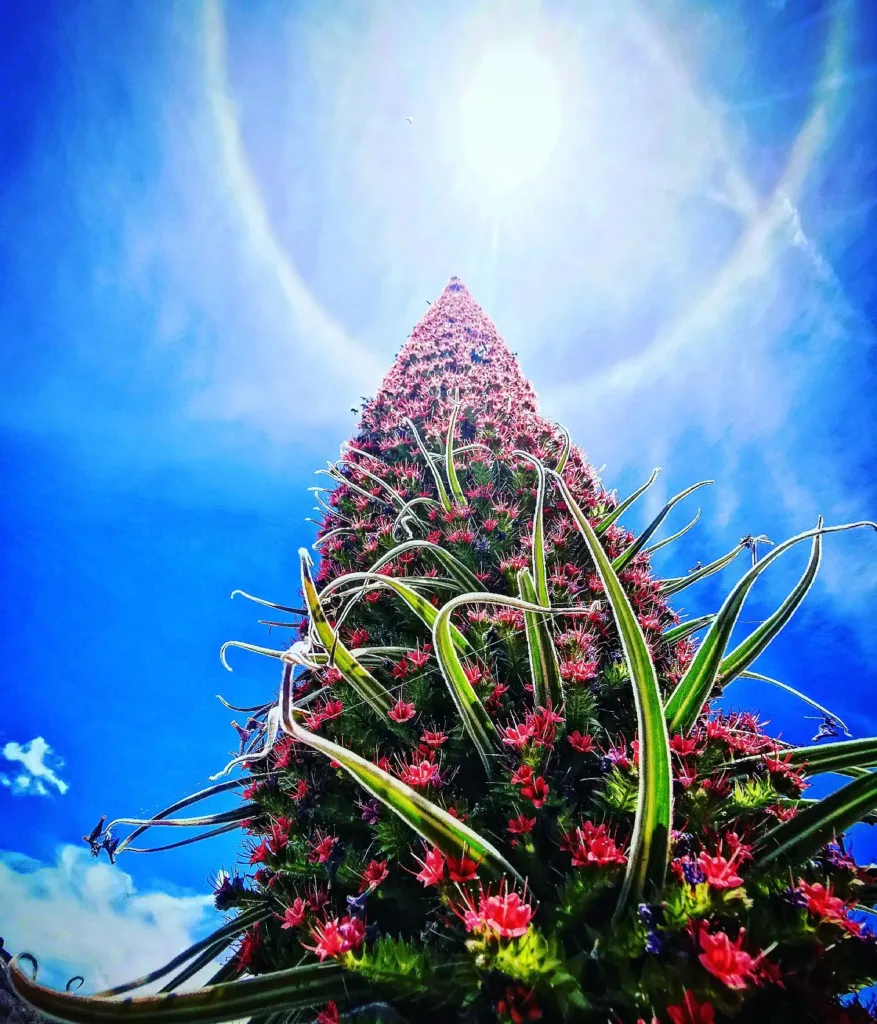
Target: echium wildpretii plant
[{"x": 493, "y": 787}]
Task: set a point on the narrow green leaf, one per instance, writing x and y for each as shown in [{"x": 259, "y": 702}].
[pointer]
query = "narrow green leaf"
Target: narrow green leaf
[
  {"x": 544, "y": 668},
  {"x": 187, "y": 801},
  {"x": 436, "y": 475},
  {"x": 450, "y": 467},
  {"x": 619, "y": 511},
  {"x": 395, "y": 497},
  {"x": 567, "y": 446},
  {"x": 673, "y": 586},
  {"x": 540, "y": 573},
  {"x": 224, "y": 934},
  {"x": 647, "y": 862},
  {"x": 221, "y": 818},
  {"x": 190, "y": 970},
  {"x": 634, "y": 549},
  {"x": 745, "y": 653},
  {"x": 209, "y": 834},
  {"x": 669, "y": 540},
  {"x": 267, "y": 652},
  {"x": 434, "y": 824},
  {"x": 461, "y": 573},
  {"x": 359, "y": 678},
  {"x": 473, "y": 715},
  {"x": 425, "y": 610},
  {"x": 795, "y": 693},
  {"x": 802, "y": 836},
  {"x": 269, "y": 604},
  {"x": 680, "y": 632},
  {"x": 299, "y": 988},
  {"x": 695, "y": 686},
  {"x": 827, "y": 757}
]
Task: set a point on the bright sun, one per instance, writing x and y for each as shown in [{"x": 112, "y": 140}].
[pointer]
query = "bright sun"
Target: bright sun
[{"x": 511, "y": 116}]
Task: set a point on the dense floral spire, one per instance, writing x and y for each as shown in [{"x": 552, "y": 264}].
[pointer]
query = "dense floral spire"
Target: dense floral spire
[{"x": 495, "y": 786}]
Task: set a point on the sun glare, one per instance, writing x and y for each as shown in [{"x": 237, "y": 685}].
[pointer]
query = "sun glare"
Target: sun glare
[{"x": 511, "y": 115}]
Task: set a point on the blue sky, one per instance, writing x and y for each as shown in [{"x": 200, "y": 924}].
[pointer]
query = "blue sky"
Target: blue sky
[{"x": 218, "y": 224}]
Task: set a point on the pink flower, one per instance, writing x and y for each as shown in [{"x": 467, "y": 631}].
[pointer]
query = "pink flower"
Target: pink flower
[
  {"x": 420, "y": 774},
  {"x": 336, "y": 937},
  {"x": 401, "y": 712},
  {"x": 578, "y": 670},
  {"x": 294, "y": 914},
  {"x": 823, "y": 903},
  {"x": 591, "y": 845},
  {"x": 418, "y": 657},
  {"x": 504, "y": 915},
  {"x": 433, "y": 868},
  {"x": 719, "y": 871},
  {"x": 518, "y": 735},
  {"x": 727, "y": 960},
  {"x": 433, "y": 739}
]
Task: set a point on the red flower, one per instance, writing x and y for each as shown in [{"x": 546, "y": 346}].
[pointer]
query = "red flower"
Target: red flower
[
  {"x": 249, "y": 948},
  {"x": 401, "y": 669},
  {"x": 329, "y": 1015},
  {"x": 373, "y": 875},
  {"x": 260, "y": 854},
  {"x": 537, "y": 791},
  {"x": 301, "y": 790},
  {"x": 542, "y": 723},
  {"x": 518, "y": 1005},
  {"x": 504, "y": 915},
  {"x": 822, "y": 902},
  {"x": 433, "y": 868},
  {"x": 474, "y": 674},
  {"x": 418, "y": 657},
  {"x": 521, "y": 825},
  {"x": 578, "y": 670},
  {"x": 584, "y": 744},
  {"x": 401, "y": 712},
  {"x": 462, "y": 869},
  {"x": 727, "y": 960},
  {"x": 294, "y": 914},
  {"x": 591, "y": 844},
  {"x": 523, "y": 776},
  {"x": 321, "y": 849},
  {"x": 359, "y": 638},
  {"x": 335, "y": 938},
  {"x": 684, "y": 746},
  {"x": 690, "y": 1011}
]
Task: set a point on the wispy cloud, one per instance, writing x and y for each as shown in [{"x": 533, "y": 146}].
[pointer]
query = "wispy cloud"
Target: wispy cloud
[
  {"x": 81, "y": 917},
  {"x": 38, "y": 771}
]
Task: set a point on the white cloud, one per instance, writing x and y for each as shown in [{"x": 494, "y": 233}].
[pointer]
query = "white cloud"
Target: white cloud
[
  {"x": 35, "y": 772},
  {"x": 78, "y": 916}
]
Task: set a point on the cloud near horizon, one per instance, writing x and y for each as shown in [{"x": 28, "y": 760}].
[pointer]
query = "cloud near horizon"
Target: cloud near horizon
[{"x": 77, "y": 916}]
